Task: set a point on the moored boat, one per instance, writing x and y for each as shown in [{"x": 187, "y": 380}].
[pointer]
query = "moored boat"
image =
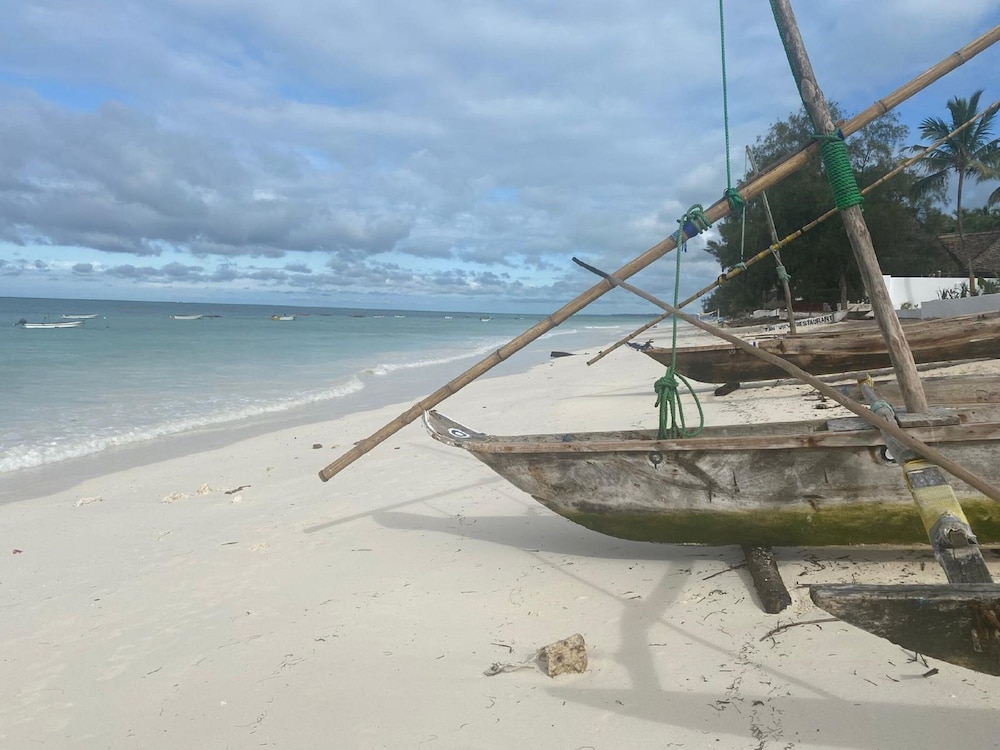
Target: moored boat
[
  {"x": 78, "y": 316},
  {"x": 22, "y": 323},
  {"x": 187, "y": 317},
  {"x": 282, "y": 317},
  {"x": 851, "y": 349}
]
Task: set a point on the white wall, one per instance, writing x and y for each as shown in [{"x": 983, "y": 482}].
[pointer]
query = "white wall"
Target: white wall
[{"x": 924, "y": 294}]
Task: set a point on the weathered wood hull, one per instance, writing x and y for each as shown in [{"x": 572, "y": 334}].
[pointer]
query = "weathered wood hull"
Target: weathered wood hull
[
  {"x": 958, "y": 623},
  {"x": 780, "y": 484},
  {"x": 850, "y": 350},
  {"x": 952, "y": 390}
]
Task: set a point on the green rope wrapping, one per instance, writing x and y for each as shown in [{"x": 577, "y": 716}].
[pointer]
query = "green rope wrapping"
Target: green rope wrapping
[
  {"x": 839, "y": 172},
  {"x": 782, "y": 273}
]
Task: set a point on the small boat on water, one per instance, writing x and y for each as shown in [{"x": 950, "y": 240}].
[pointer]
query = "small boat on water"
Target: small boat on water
[
  {"x": 58, "y": 324},
  {"x": 78, "y": 316},
  {"x": 187, "y": 317},
  {"x": 282, "y": 317},
  {"x": 850, "y": 349}
]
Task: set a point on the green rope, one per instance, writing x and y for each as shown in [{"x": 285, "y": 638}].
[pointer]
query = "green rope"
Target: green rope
[
  {"x": 839, "y": 172},
  {"x": 725, "y": 102},
  {"x": 735, "y": 200},
  {"x": 672, "y": 422},
  {"x": 782, "y": 273},
  {"x": 693, "y": 223}
]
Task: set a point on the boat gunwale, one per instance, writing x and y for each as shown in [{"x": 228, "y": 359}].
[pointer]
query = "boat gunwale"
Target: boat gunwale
[{"x": 557, "y": 443}]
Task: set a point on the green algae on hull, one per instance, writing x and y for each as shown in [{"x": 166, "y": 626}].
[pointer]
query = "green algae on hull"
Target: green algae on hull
[{"x": 854, "y": 524}]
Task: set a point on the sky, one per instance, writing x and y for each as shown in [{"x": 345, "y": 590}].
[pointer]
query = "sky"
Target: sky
[{"x": 417, "y": 155}]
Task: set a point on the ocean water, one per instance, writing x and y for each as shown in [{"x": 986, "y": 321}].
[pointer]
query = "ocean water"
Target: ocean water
[{"x": 134, "y": 373}]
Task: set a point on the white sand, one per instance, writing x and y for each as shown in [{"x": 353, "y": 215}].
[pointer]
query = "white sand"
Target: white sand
[{"x": 138, "y": 612}]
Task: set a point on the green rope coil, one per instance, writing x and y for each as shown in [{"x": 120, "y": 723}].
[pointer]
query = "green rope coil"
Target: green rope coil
[
  {"x": 839, "y": 173},
  {"x": 672, "y": 422}
]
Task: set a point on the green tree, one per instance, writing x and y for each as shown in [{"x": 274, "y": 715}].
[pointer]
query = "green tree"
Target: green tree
[
  {"x": 821, "y": 263},
  {"x": 971, "y": 154}
]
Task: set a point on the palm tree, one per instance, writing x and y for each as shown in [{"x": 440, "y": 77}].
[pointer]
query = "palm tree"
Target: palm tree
[{"x": 971, "y": 154}]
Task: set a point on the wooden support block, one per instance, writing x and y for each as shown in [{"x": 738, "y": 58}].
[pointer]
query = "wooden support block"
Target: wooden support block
[
  {"x": 774, "y": 597},
  {"x": 567, "y": 656}
]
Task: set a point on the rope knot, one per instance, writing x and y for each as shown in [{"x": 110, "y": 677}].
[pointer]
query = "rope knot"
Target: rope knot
[
  {"x": 666, "y": 388},
  {"x": 693, "y": 223},
  {"x": 736, "y": 202}
]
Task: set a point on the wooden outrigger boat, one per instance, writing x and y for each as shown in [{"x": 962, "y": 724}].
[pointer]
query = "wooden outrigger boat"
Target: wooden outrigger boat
[
  {"x": 815, "y": 483},
  {"x": 851, "y": 349},
  {"x": 958, "y": 622}
]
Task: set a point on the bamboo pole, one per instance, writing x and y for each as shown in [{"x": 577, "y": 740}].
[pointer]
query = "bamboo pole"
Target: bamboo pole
[
  {"x": 774, "y": 241},
  {"x": 788, "y": 239},
  {"x": 857, "y": 231},
  {"x": 927, "y": 451},
  {"x": 771, "y": 176}
]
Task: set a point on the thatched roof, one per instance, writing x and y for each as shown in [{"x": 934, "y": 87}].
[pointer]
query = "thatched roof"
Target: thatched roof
[{"x": 982, "y": 247}]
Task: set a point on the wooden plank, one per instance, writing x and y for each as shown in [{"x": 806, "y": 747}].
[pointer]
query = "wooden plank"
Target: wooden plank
[
  {"x": 871, "y": 438},
  {"x": 957, "y": 623}
]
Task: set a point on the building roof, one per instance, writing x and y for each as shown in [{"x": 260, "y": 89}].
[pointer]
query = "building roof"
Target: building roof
[{"x": 982, "y": 247}]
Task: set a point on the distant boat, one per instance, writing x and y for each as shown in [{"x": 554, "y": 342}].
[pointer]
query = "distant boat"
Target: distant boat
[
  {"x": 61, "y": 324},
  {"x": 282, "y": 317},
  {"x": 486, "y": 318},
  {"x": 187, "y": 317},
  {"x": 79, "y": 316}
]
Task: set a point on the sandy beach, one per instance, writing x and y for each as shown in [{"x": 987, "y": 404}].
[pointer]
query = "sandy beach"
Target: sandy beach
[{"x": 229, "y": 599}]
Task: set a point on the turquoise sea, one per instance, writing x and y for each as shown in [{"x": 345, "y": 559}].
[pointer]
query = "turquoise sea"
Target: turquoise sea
[{"x": 134, "y": 374}]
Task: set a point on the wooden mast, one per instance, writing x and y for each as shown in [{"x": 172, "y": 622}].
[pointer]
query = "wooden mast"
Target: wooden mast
[
  {"x": 776, "y": 253},
  {"x": 857, "y": 231}
]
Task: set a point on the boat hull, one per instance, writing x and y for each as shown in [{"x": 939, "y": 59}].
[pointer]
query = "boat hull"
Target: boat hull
[
  {"x": 852, "y": 350},
  {"x": 44, "y": 326},
  {"x": 785, "y": 484}
]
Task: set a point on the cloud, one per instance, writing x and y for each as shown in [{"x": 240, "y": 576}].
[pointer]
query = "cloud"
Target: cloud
[{"x": 443, "y": 148}]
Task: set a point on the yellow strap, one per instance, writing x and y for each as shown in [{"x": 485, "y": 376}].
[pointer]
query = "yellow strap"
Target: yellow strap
[{"x": 933, "y": 501}]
